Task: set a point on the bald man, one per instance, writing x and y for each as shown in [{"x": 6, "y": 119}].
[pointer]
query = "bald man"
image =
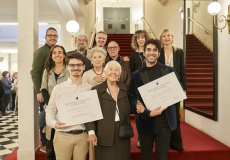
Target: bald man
[{"x": 113, "y": 50}]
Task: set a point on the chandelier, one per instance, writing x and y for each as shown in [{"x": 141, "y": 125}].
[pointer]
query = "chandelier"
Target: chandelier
[{"x": 116, "y": 3}]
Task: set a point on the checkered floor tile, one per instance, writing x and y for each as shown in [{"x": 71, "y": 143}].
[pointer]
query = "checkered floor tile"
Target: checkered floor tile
[{"x": 8, "y": 133}]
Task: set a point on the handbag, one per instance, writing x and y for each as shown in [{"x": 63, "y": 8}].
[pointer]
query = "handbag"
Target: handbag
[
  {"x": 42, "y": 119},
  {"x": 126, "y": 130}
]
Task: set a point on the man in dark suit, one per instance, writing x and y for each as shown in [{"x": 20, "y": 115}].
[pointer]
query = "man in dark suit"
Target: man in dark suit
[
  {"x": 81, "y": 43},
  {"x": 156, "y": 125}
]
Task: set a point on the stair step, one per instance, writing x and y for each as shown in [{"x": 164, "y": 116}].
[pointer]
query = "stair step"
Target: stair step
[
  {"x": 199, "y": 80},
  {"x": 199, "y": 58},
  {"x": 199, "y": 65},
  {"x": 203, "y": 85},
  {"x": 199, "y": 75},
  {"x": 199, "y": 70},
  {"x": 190, "y": 54},
  {"x": 199, "y": 61},
  {"x": 200, "y": 92}
]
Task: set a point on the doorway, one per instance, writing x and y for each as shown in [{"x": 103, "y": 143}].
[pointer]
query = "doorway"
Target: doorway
[{"x": 116, "y": 20}]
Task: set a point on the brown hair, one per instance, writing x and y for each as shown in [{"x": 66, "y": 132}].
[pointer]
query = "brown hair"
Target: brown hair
[
  {"x": 49, "y": 63},
  {"x": 51, "y": 28},
  {"x": 102, "y": 33},
  {"x": 74, "y": 55},
  {"x": 15, "y": 74},
  {"x": 173, "y": 42},
  {"x": 134, "y": 44}
]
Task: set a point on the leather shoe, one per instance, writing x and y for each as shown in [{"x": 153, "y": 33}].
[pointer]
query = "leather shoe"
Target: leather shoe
[
  {"x": 181, "y": 150},
  {"x": 138, "y": 144}
]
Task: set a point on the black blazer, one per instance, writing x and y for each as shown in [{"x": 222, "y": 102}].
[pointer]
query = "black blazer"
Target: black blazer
[
  {"x": 178, "y": 64},
  {"x": 145, "y": 123}
]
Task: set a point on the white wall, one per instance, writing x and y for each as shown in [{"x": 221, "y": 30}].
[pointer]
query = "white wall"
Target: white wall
[
  {"x": 4, "y": 65},
  {"x": 88, "y": 20},
  {"x": 220, "y": 129},
  {"x": 206, "y": 20},
  {"x": 161, "y": 17},
  {"x": 136, "y": 9}
]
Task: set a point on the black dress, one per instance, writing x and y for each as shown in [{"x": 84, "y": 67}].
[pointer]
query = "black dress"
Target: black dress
[{"x": 137, "y": 60}]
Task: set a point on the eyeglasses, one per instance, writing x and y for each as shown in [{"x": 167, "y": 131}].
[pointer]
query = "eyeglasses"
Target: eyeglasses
[
  {"x": 72, "y": 66},
  {"x": 50, "y": 36},
  {"x": 81, "y": 40},
  {"x": 114, "y": 48}
]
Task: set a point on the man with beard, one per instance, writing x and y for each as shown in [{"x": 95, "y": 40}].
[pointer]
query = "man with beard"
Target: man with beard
[
  {"x": 81, "y": 43},
  {"x": 38, "y": 68},
  {"x": 69, "y": 140},
  {"x": 158, "y": 124}
]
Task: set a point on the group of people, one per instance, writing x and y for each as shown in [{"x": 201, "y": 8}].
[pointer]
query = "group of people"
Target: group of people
[
  {"x": 57, "y": 73},
  {"x": 8, "y": 92}
]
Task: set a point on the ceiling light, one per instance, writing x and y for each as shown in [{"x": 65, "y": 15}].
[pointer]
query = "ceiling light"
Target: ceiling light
[{"x": 15, "y": 24}]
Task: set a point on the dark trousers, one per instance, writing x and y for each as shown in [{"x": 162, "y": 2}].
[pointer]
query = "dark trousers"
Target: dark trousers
[
  {"x": 13, "y": 102},
  {"x": 161, "y": 137},
  {"x": 176, "y": 140},
  {"x": 43, "y": 135},
  {"x": 50, "y": 154},
  {"x": 5, "y": 102}
]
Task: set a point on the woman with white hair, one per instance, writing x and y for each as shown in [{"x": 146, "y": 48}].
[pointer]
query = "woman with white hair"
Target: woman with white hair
[
  {"x": 104, "y": 133},
  {"x": 96, "y": 75}
]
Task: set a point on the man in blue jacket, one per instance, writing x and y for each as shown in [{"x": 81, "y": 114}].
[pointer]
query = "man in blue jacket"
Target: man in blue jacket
[{"x": 156, "y": 125}]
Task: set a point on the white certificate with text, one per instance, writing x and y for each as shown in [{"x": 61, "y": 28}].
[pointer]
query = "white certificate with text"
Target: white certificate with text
[
  {"x": 163, "y": 92},
  {"x": 79, "y": 108}
]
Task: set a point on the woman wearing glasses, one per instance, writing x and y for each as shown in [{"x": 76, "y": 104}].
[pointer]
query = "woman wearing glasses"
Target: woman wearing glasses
[
  {"x": 96, "y": 75},
  {"x": 172, "y": 56},
  {"x": 55, "y": 72}
]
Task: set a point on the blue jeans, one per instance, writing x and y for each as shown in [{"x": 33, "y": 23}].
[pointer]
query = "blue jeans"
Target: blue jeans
[{"x": 43, "y": 135}]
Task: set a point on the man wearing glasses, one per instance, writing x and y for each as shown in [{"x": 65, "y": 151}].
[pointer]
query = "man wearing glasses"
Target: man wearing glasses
[
  {"x": 81, "y": 43},
  {"x": 39, "y": 59},
  {"x": 69, "y": 140},
  {"x": 113, "y": 50}
]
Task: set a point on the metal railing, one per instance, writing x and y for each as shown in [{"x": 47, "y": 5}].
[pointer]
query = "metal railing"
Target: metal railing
[
  {"x": 206, "y": 31},
  {"x": 149, "y": 30},
  {"x": 93, "y": 35}
]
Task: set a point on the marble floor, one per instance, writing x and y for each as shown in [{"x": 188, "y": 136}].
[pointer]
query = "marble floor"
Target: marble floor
[{"x": 8, "y": 133}]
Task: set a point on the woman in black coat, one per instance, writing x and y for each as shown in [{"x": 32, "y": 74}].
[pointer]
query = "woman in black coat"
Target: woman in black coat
[{"x": 172, "y": 56}]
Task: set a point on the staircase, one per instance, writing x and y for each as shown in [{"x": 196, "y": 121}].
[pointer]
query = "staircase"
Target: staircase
[
  {"x": 199, "y": 75},
  {"x": 124, "y": 41}
]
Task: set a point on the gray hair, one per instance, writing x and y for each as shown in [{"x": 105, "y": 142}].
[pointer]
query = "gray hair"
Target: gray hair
[
  {"x": 96, "y": 49},
  {"x": 81, "y": 35},
  {"x": 113, "y": 62}
]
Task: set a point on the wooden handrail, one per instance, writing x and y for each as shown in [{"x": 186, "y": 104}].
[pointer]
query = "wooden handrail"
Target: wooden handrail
[
  {"x": 206, "y": 31},
  {"x": 150, "y": 32},
  {"x": 93, "y": 35}
]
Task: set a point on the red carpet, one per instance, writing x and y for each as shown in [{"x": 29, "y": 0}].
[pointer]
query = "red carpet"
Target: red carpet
[
  {"x": 197, "y": 145},
  {"x": 199, "y": 75}
]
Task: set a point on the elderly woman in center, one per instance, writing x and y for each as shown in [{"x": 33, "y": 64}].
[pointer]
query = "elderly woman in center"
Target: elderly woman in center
[
  {"x": 96, "y": 75},
  {"x": 113, "y": 97}
]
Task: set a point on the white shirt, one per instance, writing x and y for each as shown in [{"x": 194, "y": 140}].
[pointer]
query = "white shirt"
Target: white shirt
[{"x": 61, "y": 90}]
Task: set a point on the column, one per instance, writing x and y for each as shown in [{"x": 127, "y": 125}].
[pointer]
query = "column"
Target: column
[{"x": 28, "y": 15}]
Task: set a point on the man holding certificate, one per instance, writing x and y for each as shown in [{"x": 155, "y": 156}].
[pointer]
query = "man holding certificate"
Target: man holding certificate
[
  {"x": 69, "y": 140},
  {"x": 155, "y": 125}
]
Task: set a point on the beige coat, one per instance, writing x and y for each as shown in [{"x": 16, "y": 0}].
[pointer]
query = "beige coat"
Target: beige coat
[{"x": 48, "y": 83}]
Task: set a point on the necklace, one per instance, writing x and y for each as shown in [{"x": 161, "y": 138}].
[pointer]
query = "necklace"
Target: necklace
[
  {"x": 142, "y": 60},
  {"x": 168, "y": 60},
  {"x": 98, "y": 73}
]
